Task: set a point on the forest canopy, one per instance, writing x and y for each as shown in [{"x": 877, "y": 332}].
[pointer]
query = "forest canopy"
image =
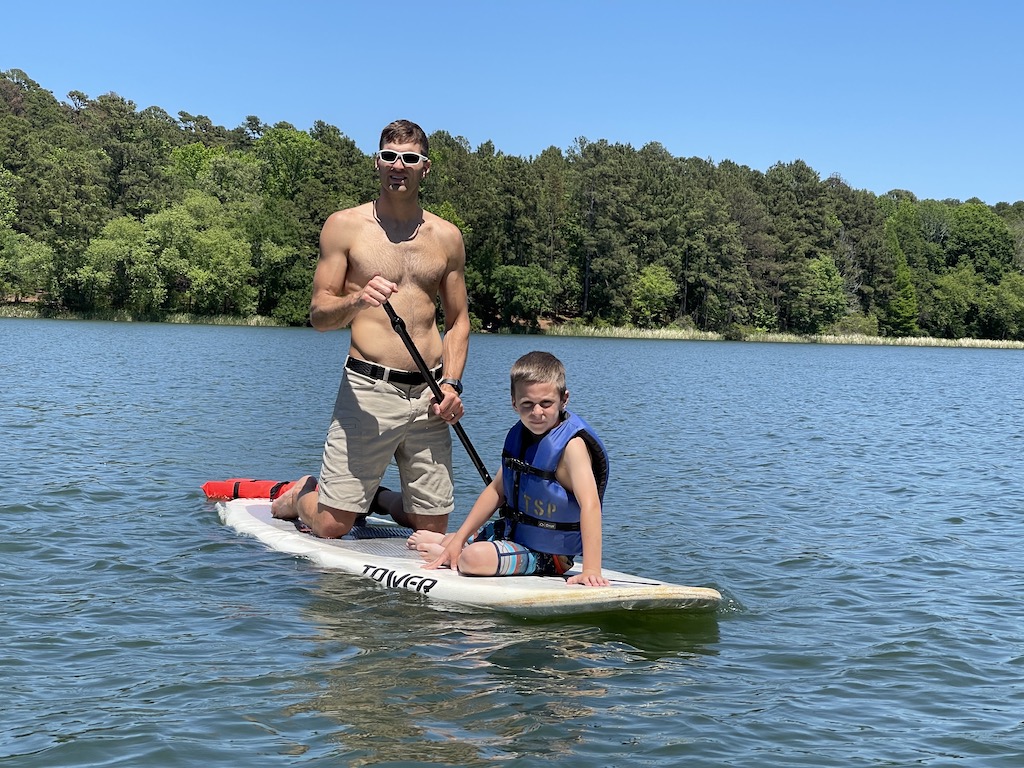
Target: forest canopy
[{"x": 104, "y": 206}]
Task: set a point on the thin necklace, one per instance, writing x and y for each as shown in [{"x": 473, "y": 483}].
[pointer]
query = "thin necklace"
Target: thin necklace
[{"x": 394, "y": 236}]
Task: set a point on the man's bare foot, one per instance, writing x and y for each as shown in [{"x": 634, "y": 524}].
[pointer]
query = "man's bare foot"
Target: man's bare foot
[
  {"x": 424, "y": 537},
  {"x": 286, "y": 506}
]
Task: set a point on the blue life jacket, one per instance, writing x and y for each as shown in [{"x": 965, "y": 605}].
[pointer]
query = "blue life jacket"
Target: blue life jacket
[{"x": 543, "y": 515}]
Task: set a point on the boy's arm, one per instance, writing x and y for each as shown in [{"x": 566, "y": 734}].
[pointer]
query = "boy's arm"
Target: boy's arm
[
  {"x": 580, "y": 472},
  {"x": 489, "y": 500}
]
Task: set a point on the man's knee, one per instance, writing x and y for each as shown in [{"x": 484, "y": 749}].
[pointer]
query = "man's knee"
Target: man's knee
[
  {"x": 330, "y": 523},
  {"x": 329, "y": 528}
]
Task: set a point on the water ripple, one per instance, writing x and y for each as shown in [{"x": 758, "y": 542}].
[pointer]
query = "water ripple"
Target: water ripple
[{"x": 858, "y": 508}]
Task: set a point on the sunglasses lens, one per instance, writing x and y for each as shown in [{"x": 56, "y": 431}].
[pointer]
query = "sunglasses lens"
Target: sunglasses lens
[{"x": 408, "y": 158}]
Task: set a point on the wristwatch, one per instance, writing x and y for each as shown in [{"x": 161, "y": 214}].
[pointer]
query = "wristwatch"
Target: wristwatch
[{"x": 455, "y": 384}]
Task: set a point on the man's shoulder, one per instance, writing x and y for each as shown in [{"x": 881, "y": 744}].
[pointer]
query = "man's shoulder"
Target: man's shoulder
[
  {"x": 442, "y": 226},
  {"x": 344, "y": 225},
  {"x": 355, "y": 213}
]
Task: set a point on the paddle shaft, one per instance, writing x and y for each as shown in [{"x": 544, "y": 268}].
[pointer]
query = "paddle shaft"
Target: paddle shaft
[{"x": 399, "y": 325}]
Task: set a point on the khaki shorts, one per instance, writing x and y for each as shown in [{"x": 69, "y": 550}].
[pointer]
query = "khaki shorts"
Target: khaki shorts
[{"x": 373, "y": 422}]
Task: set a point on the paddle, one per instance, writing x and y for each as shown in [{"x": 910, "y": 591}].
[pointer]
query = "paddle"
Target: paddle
[{"x": 399, "y": 325}]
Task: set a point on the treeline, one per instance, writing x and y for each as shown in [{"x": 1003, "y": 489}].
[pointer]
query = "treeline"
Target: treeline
[{"x": 106, "y": 207}]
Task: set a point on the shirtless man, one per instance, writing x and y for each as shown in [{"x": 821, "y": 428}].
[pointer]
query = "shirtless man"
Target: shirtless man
[{"x": 389, "y": 250}]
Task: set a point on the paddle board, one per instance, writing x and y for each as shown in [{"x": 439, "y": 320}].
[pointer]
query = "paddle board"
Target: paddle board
[{"x": 378, "y": 551}]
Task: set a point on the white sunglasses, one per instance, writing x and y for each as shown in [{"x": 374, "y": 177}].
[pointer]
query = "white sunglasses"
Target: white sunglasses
[{"x": 389, "y": 156}]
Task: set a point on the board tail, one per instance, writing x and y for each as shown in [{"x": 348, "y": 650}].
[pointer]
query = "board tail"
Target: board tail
[{"x": 245, "y": 488}]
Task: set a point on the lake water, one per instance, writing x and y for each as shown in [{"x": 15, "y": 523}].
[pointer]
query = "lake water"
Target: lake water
[{"x": 860, "y": 509}]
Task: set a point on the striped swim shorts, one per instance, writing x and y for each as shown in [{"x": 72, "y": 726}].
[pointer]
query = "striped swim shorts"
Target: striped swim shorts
[{"x": 515, "y": 559}]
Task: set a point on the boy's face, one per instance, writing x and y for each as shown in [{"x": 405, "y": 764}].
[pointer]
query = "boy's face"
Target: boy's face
[{"x": 539, "y": 406}]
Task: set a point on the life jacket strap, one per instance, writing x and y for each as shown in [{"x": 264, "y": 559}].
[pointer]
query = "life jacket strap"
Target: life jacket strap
[
  {"x": 517, "y": 465},
  {"x": 516, "y": 517}
]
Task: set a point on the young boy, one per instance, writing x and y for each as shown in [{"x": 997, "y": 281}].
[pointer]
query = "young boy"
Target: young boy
[{"x": 554, "y": 470}]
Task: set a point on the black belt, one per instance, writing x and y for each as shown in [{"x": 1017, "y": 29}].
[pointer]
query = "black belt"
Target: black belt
[{"x": 375, "y": 371}]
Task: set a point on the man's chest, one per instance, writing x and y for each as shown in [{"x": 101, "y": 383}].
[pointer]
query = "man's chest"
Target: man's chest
[{"x": 418, "y": 261}]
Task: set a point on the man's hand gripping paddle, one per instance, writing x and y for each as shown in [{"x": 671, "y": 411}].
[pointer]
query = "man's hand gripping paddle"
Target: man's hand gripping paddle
[{"x": 399, "y": 325}]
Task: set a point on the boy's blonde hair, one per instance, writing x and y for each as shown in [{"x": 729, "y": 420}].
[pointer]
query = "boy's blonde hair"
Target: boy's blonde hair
[{"x": 538, "y": 368}]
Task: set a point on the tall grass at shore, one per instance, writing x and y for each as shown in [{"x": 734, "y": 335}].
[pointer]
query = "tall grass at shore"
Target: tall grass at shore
[
  {"x": 620, "y": 332},
  {"x": 18, "y": 310},
  {"x": 29, "y": 311},
  {"x": 187, "y": 319},
  {"x": 686, "y": 334}
]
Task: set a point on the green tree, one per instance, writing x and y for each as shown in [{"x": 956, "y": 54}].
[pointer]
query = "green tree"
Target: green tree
[
  {"x": 189, "y": 164},
  {"x": 806, "y": 228},
  {"x": 120, "y": 270},
  {"x": 288, "y": 158},
  {"x": 744, "y": 193},
  {"x": 859, "y": 245},
  {"x": 654, "y": 297},
  {"x": 1002, "y": 312},
  {"x": 715, "y": 285},
  {"x": 555, "y": 227},
  {"x": 204, "y": 256},
  {"x": 523, "y": 293},
  {"x": 900, "y": 314},
  {"x": 480, "y": 202},
  {"x": 24, "y": 265},
  {"x": 8, "y": 203},
  {"x": 898, "y": 304},
  {"x": 137, "y": 146},
  {"x": 201, "y": 128},
  {"x": 219, "y": 274},
  {"x": 283, "y": 277},
  {"x": 820, "y": 300},
  {"x": 980, "y": 237},
  {"x": 1013, "y": 215},
  {"x": 956, "y": 303},
  {"x": 341, "y": 176},
  {"x": 607, "y": 202}
]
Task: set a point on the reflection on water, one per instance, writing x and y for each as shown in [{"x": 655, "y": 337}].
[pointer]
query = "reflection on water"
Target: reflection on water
[{"x": 402, "y": 672}]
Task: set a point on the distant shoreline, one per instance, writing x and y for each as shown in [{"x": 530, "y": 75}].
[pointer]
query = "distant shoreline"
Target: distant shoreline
[
  {"x": 779, "y": 338},
  {"x": 28, "y": 311}
]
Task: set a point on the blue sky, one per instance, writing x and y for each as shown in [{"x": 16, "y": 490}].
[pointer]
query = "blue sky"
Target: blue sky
[{"x": 923, "y": 96}]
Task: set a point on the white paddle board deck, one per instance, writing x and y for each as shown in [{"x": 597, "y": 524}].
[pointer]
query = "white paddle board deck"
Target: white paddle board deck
[{"x": 379, "y": 552}]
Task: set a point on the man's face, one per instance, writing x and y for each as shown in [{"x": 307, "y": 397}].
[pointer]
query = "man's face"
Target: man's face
[{"x": 395, "y": 173}]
